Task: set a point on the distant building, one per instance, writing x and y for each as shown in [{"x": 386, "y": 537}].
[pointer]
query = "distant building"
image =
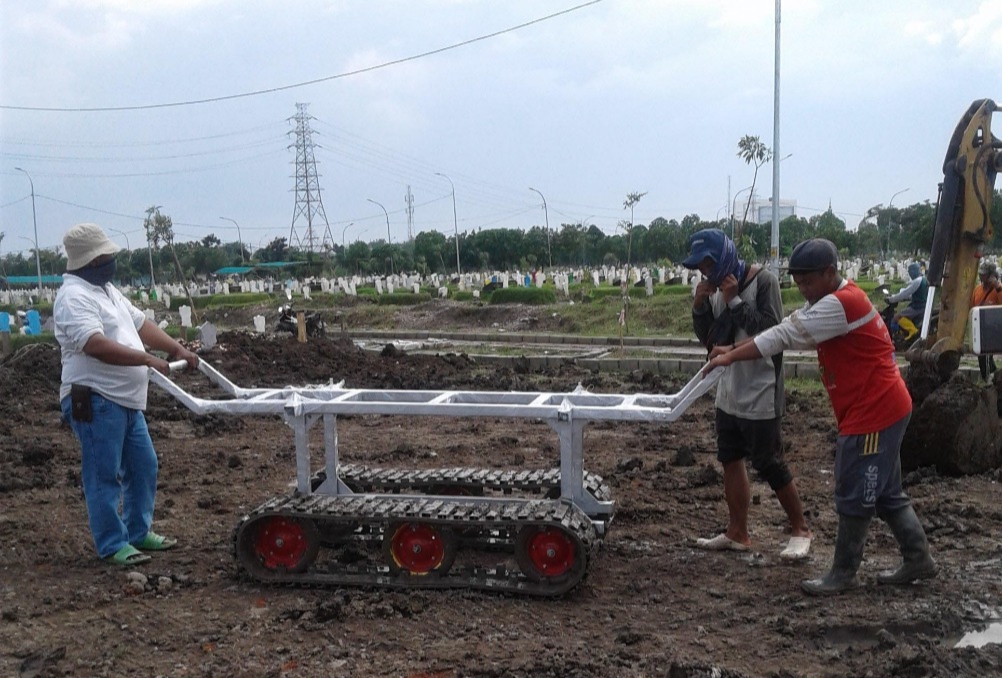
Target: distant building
[{"x": 762, "y": 210}]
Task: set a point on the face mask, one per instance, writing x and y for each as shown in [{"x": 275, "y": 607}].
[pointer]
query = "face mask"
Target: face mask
[{"x": 98, "y": 275}]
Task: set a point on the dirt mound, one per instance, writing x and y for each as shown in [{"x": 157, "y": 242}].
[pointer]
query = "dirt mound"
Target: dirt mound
[{"x": 955, "y": 426}]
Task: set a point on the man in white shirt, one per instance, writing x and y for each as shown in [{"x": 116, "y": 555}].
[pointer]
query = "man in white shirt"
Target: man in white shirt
[{"x": 103, "y": 338}]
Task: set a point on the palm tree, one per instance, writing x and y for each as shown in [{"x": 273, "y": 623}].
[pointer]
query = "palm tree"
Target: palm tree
[{"x": 752, "y": 151}]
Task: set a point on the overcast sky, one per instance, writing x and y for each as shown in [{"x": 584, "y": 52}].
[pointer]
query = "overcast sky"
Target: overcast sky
[{"x": 616, "y": 97}]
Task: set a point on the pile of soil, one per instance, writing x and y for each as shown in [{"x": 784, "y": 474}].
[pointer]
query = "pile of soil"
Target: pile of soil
[
  {"x": 653, "y": 605},
  {"x": 955, "y": 424}
]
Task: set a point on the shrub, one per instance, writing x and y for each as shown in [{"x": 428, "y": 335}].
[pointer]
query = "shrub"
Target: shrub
[
  {"x": 174, "y": 331},
  {"x": 220, "y": 300},
  {"x": 402, "y": 299},
  {"x": 600, "y": 293},
  {"x": 524, "y": 295},
  {"x": 20, "y": 340}
]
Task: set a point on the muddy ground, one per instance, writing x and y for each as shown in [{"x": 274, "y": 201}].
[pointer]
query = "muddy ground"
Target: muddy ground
[{"x": 652, "y": 605}]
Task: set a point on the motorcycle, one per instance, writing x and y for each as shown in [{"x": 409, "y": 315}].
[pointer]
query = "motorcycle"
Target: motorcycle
[
  {"x": 904, "y": 333},
  {"x": 315, "y": 325}
]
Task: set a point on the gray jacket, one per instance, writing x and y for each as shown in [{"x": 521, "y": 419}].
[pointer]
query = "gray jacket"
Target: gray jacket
[{"x": 751, "y": 389}]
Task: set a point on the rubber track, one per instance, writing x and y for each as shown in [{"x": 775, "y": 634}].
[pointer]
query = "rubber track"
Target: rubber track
[
  {"x": 372, "y": 479},
  {"x": 375, "y": 514}
]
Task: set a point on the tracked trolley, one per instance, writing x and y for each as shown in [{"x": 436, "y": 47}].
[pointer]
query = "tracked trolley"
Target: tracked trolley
[{"x": 533, "y": 532}]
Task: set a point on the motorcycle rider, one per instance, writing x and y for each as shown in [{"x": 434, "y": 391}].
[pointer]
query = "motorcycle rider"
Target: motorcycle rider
[
  {"x": 917, "y": 291},
  {"x": 988, "y": 293}
]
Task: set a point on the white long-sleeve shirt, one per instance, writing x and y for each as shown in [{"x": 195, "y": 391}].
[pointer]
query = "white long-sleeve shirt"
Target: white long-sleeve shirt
[
  {"x": 807, "y": 327},
  {"x": 82, "y": 310}
]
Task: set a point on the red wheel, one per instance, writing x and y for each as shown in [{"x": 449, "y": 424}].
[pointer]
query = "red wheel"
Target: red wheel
[
  {"x": 546, "y": 553},
  {"x": 419, "y": 548},
  {"x": 279, "y": 543}
]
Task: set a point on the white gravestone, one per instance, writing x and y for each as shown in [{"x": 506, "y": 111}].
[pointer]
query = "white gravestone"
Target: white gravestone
[
  {"x": 185, "y": 312},
  {"x": 259, "y": 324}
]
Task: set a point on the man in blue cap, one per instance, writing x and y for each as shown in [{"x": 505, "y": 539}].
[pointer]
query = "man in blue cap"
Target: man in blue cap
[
  {"x": 872, "y": 409},
  {"x": 734, "y": 302}
]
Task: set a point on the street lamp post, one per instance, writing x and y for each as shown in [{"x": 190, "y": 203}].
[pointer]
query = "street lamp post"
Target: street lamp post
[
  {"x": 128, "y": 247},
  {"x": 546, "y": 213},
  {"x": 149, "y": 242},
  {"x": 388, "y": 240},
  {"x": 734, "y": 206},
  {"x": 34, "y": 221},
  {"x": 239, "y": 238},
  {"x": 890, "y": 204},
  {"x": 343, "y": 231},
  {"x": 455, "y": 221}
]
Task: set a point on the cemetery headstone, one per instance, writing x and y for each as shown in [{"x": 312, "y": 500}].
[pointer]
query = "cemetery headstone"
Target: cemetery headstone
[
  {"x": 33, "y": 323},
  {"x": 207, "y": 335},
  {"x": 185, "y": 312},
  {"x": 259, "y": 324}
]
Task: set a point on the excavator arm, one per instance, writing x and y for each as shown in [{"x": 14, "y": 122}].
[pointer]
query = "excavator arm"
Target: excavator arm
[{"x": 962, "y": 229}]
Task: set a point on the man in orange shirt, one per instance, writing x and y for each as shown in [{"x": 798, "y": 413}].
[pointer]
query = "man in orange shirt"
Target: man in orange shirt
[
  {"x": 988, "y": 293},
  {"x": 872, "y": 408}
]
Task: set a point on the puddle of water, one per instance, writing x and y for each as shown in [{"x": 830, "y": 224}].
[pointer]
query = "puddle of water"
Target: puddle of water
[
  {"x": 992, "y": 634},
  {"x": 868, "y": 637}
]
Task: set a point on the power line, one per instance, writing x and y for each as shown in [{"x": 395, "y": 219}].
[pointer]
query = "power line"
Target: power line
[
  {"x": 14, "y": 202},
  {"x": 201, "y": 168},
  {"x": 214, "y": 151},
  {"x": 368, "y": 69},
  {"x": 103, "y": 144}
]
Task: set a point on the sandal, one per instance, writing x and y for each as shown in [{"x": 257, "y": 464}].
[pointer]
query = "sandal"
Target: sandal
[
  {"x": 155, "y": 542},
  {"x": 127, "y": 556}
]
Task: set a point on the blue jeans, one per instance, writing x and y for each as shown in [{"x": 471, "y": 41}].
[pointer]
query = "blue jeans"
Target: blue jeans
[{"x": 118, "y": 466}]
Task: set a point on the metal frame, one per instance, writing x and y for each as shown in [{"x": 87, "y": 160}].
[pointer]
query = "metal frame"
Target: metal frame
[{"x": 566, "y": 413}]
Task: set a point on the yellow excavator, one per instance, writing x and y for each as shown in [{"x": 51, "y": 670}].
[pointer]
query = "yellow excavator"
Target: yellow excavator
[{"x": 955, "y": 425}]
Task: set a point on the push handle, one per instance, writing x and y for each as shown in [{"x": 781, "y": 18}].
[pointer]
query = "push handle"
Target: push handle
[{"x": 178, "y": 365}]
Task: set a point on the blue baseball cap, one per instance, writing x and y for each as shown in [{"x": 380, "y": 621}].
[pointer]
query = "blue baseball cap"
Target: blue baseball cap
[{"x": 702, "y": 244}]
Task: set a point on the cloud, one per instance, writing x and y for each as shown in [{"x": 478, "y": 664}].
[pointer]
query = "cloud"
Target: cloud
[
  {"x": 929, "y": 31},
  {"x": 982, "y": 30},
  {"x": 143, "y": 7}
]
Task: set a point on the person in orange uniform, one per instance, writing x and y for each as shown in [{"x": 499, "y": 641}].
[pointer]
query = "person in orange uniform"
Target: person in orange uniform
[
  {"x": 872, "y": 409},
  {"x": 988, "y": 293}
]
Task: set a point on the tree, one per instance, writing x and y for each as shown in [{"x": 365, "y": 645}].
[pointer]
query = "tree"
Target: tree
[
  {"x": 631, "y": 201},
  {"x": 276, "y": 250},
  {"x": 3, "y": 271},
  {"x": 211, "y": 241},
  {"x": 752, "y": 151},
  {"x": 430, "y": 246}
]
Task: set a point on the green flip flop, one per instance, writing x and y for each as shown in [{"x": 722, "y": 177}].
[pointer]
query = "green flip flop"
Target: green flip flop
[
  {"x": 155, "y": 542},
  {"x": 127, "y": 556}
]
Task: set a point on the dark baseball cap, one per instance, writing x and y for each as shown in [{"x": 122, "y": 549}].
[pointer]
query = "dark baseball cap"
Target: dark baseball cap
[
  {"x": 812, "y": 255},
  {"x": 708, "y": 242}
]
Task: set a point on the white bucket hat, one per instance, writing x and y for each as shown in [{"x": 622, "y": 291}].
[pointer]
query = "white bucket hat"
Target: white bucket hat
[{"x": 84, "y": 243}]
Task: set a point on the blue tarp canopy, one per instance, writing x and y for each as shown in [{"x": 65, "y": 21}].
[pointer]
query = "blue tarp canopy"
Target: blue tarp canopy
[
  {"x": 240, "y": 270},
  {"x": 234, "y": 270},
  {"x": 32, "y": 280}
]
